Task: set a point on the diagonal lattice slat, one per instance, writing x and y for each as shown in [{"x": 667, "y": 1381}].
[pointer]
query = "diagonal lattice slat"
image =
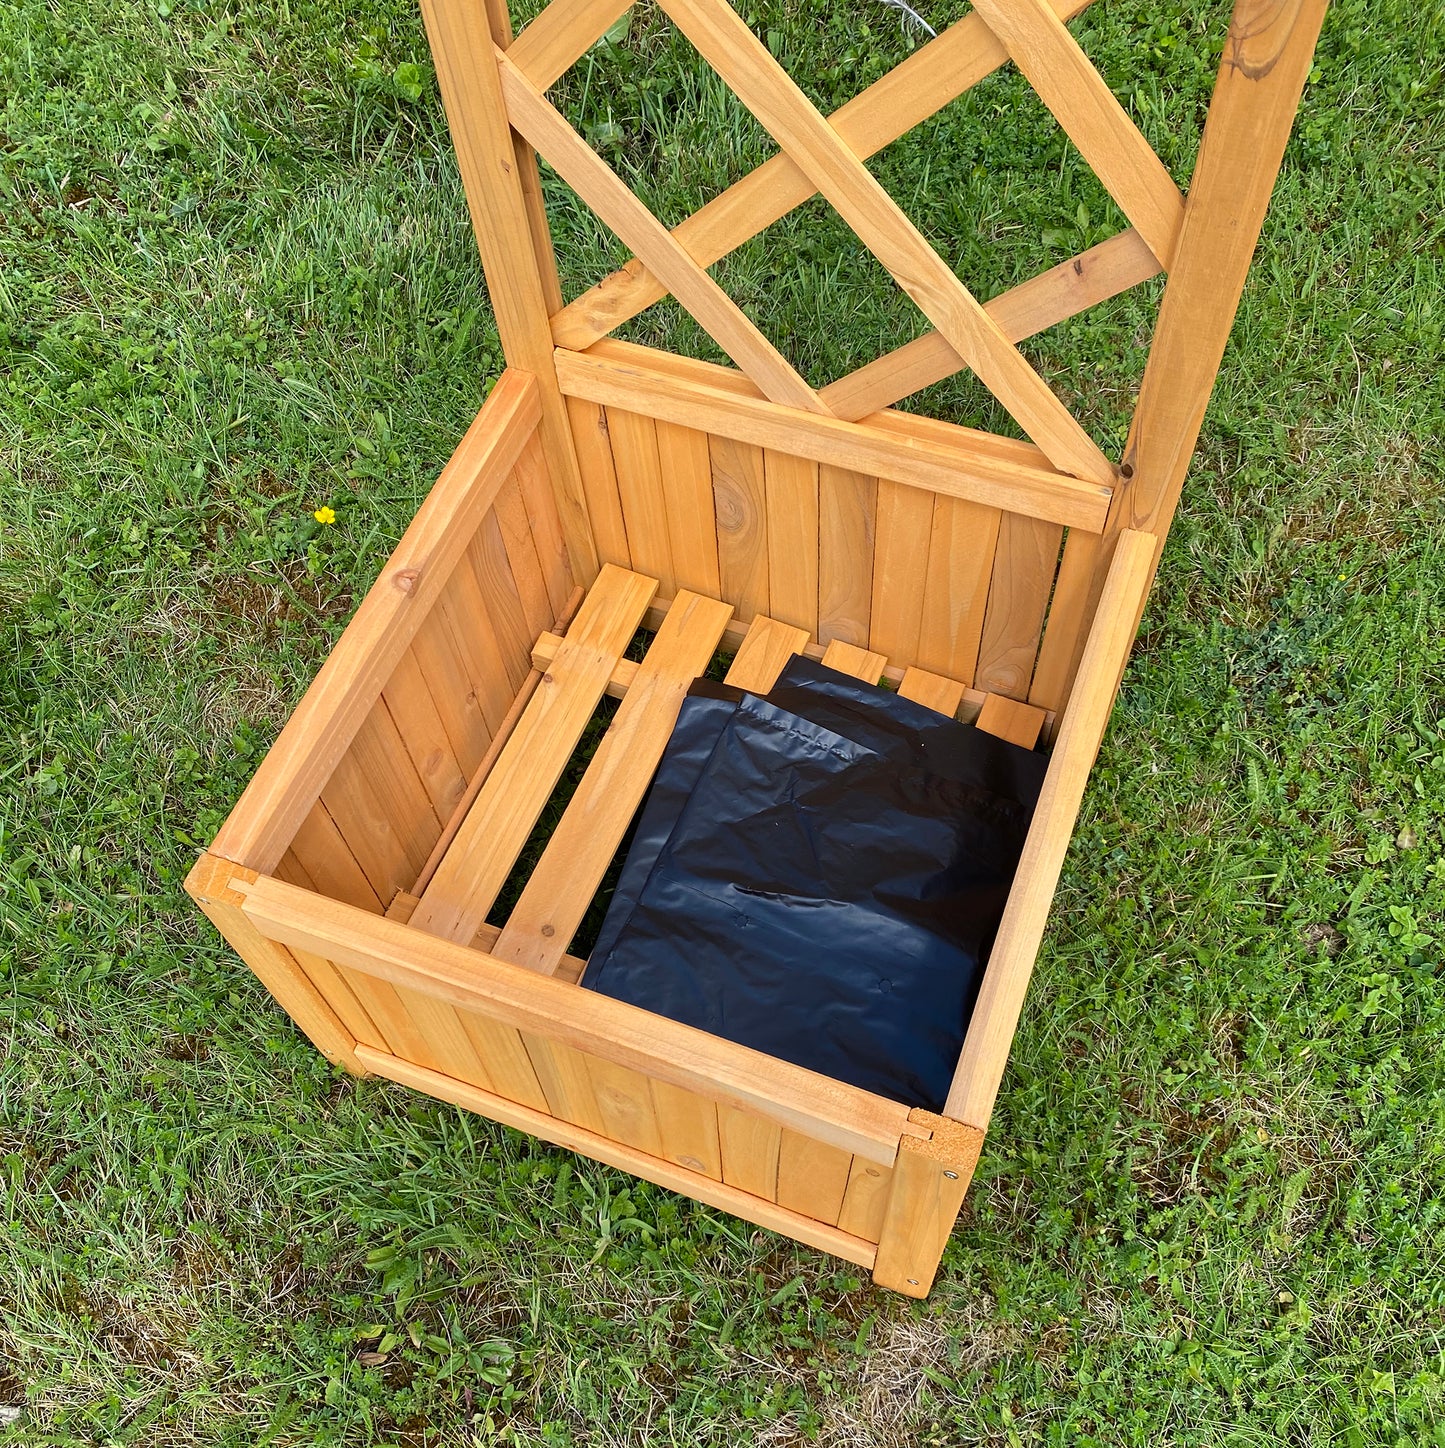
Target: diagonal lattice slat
[
  {"x": 601, "y": 188},
  {"x": 747, "y": 66},
  {"x": 561, "y": 35},
  {"x": 1090, "y": 113}
]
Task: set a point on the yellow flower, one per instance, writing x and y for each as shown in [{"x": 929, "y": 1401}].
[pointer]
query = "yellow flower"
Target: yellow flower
[{"x": 325, "y": 515}]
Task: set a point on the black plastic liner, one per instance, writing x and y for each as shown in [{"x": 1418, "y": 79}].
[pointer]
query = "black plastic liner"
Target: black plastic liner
[{"x": 819, "y": 874}]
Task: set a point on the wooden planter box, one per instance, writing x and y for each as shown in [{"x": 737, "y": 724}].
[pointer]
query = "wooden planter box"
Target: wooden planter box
[{"x": 605, "y": 487}]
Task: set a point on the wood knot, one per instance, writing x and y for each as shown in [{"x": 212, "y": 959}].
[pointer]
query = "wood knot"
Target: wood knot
[
  {"x": 405, "y": 578},
  {"x": 548, "y": 931}
]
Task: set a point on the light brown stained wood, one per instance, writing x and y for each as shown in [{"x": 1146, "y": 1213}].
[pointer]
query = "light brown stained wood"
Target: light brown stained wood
[
  {"x": 740, "y": 506},
  {"x": 945, "y": 696},
  {"x": 981, "y": 467},
  {"x": 1064, "y": 632},
  {"x": 846, "y": 506},
  {"x": 607, "y": 195},
  {"x": 380, "y": 808},
  {"x": 209, "y": 884},
  {"x": 850, "y": 659},
  {"x": 765, "y": 88},
  {"x": 568, "y": 875},
  {"x": 503, "y": 1052},
  {"x": 682, "y": 454},
  {"x": 260, "y": 828},
  {"x": 476, "y": 643},
  {"x": 865, "y": 1199},
  {"x": 338, "y": 994},
  {"x": 1063, "y": 291},
  {"x": 818, "y": 1106},
  {"x": 448, "y": 1046},
  {"x": 1092, "y": 117},
  {"x": 929, "y": 79},
  {"x": 791, "y": 486},
  {"x": 639, "y": 484},
  {"x": 812, "y": 1177},
  {"x": 1018, "y": 597},
  {"x": 961, "y": 551},
  {"x": 486, "y": 573},
  {"x": 456, "y": 697},
  {"x": 749, "y": 1147},
  {"x": 291, "y": 870},
  {"x": 900, "y": 570},
  {"x": 521, "y": 552},
  {"x": 409, "y": 702},
  {"x": 625, "y": 1104},
  {"x": 566, "y": 1081},
  {"x": 654, "y": 1169},
  {"x": 331, "y": 868},
  {"x": 687, "y": 1124},
  {"x": 1020, "y": 724},
  {"x": 475, "y": 868},
  {"x": 565, "y": 30},
  {"x": 1011, "y": 962},
  {"x": 599, "y": 480},
  {"x": 499, "y": 176},
  {"x": 927, "y": 1188},
  {"x": 759, "y": 660}
]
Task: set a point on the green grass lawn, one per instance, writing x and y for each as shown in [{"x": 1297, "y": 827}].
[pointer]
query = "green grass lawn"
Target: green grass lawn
[{"x": 237, "y": 283}]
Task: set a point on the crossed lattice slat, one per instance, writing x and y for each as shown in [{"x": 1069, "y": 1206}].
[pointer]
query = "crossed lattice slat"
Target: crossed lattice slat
[{"x": 826, "y": 156}]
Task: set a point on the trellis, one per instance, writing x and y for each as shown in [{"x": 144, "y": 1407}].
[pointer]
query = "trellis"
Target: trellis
[{"x": 606, "y": 486}]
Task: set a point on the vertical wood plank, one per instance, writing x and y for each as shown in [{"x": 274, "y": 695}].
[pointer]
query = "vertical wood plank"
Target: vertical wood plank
[
  {"x": 812, "y": 1176},
  {"x": 333, "y": 870},
  {"x": 682, "y": 453},
  {"x": 626, "y": 1105},
  {"x": 1063, "y": 643},
  {"x": 599, "y": 480},
  {"x": 866, "y": 1199},
  {"x": 847, "y": 502},
  {"x": 639, "y": 483},
  {"x": 688, "y": 1126},
  {"x": 900, "y": 570},
  {"x": 420, "y": 724},
  {"x": 339, "y": 996},
  {"x": 961, "y": 552},
  {"x": 791, "y": 486},
  {"x": 740, "y": 503},
  {"x": 486, "y": 575},
  {"x": 749, "y": 1146},
  {"x": 1018, "y": 597},
  {"x": 522, "y": 560},
  {"x": 471, "y": 651},
  {"x": 545, "y": 524}
]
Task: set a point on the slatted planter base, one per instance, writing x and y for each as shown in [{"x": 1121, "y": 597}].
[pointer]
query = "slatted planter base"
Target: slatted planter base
[{"x": 605, "y": 487}]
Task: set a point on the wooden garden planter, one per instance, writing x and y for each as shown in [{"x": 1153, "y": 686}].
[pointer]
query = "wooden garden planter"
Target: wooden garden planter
[{"x": 605, "y": 486}]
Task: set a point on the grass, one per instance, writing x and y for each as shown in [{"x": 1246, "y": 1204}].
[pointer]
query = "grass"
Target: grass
[{"x": 239, "y": 285}]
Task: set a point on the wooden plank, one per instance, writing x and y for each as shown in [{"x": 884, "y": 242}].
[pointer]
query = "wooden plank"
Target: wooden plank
[
  {"x": 929, "y": 79},
  {"x": 1018, "y": 597},
  {"x": 465, "y": 705},
  {"x": 626, "y": 1106},
  {"x": 485, "y": 581},
  {"x": 475, "y": 868},
  {"x": 847, "y": 502},
  {"x": 499, "y": 176},
  {"x": 791, "y": 486},
  {"x": 759, "y": 660},
  {"x": 599, "y": 480},
  {"x": 1011, "y": 962},
  {"x": 210, "y": 884},
  {"x": 812, "y": 1177},
  {"x": 545, "y": 523},
  {"x": 740, "y": 507},
  {"x": 423, "y": 731},
  {"x": 1082, "y": 103},
  {"x": 933, "y": 692},
  {"x": 516, "y": 533},
  {"x": 900, "y": 570},
  {"x": 584, "y": 1020},
  {"x": 683, "y": 456},
  {"x": 961, "y": 551},
  {"x": 336, "y": 991},
  {"x": 475, "y": 644},
  {"x": 1063, "y": 641},
  {"x": 850, "y": 659},
  {"x": 639, "y": 485},
  {"x": 291, "y": 776},
  {"x": 926, "y": 1190},
  {"x": 601, "y": 188},
  {"x": 1063, "y": 291},
  {"x": 624, "y": 1158},
  {"x": 591, "y": 829},
  {"x": 865, "y": 1200},
  {"x": 902, "y": 448},
  {"x": 766, "y": 89},
  {"x": 561, "y": 35},
  {"x": 332, "y": 869},
  {"x": 1008, "y": 719},
  {"x": 687, "y": 1124},
  {"x": 749, "y": 1147}
]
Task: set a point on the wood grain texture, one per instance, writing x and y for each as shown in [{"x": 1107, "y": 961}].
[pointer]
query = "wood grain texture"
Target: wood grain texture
[
  {"x": 558, "y": 38},
  {"x": 945, "y": 696},
  {"x": 330, "y": 867},
  {"x": 740, "y": 505},
  {"x": 535, "y": 485},
  {"x": 764, "y": 651},
  {"x": 749, "y": 1146},
  {"x": 962, "y": 545},
  {"x": 639, "y": 485},
  {"x": 859, "y": 663},
  {"x": 1018, "y": 597},
  {"x": 847, "y": 503},
  {"x": 791, "y": 486},
  {"x": 409, "y": 702},
  {"x": 1009, "y": 719},
  {"x": 865, "y": 1199},
  {"x": 599, "y": 480},
  {"x": 900, "y": 570},
  {"x": 320, "y": 731},
  {"x": 686, "y": 463},
  {"x": 812, "y": 1177}
]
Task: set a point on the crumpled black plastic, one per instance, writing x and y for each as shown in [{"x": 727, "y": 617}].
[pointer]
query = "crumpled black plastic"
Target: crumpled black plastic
[{"x": 819, "y": 875}]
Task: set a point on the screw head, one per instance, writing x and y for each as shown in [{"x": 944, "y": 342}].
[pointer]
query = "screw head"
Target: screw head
[
  {"x": 951, "y": 1175},
  {"x": 913, "y": 1282}
]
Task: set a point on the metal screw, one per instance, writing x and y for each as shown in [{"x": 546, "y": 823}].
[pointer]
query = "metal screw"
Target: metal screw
[
  {"x": 951, "y": 1175},
  {"x": 913, "y": 1282}
]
